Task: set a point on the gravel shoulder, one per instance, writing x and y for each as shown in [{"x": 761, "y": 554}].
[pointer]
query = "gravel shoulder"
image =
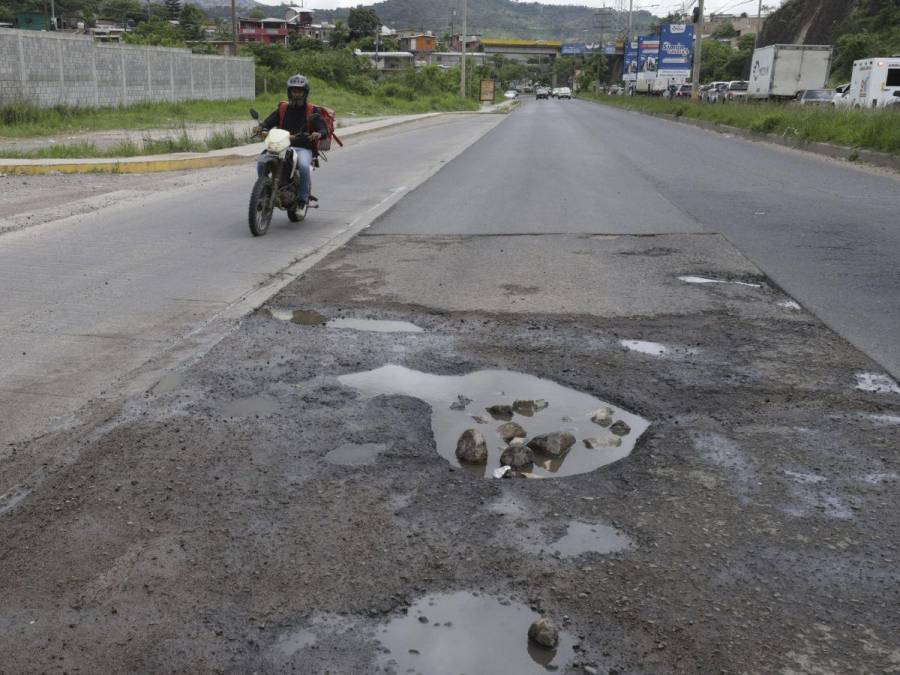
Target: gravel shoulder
[{"x": 200, "y": 526}]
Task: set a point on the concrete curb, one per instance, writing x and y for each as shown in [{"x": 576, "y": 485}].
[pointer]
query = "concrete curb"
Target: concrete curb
[
  {"x": 175, "y": 162},
  {"x": 852, "y": 155}
]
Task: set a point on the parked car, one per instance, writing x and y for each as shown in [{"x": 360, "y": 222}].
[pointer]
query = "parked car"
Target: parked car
[
  {"x": 815, "y": 97},
  {"x": 511, "y": 94},
  {"x": 841, "y": 96},
  {"x": 716, "y": 91},
  {"x": 564, "y": 92},
  {"x": 615, "y": 90},
  {"x": 683, "y": 91},
  {"x": 736, "y": 91},
  {"x": 541, "y": 92}
]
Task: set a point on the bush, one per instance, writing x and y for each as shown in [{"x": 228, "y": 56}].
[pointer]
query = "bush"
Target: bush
[{"x": 767, "y": 123}]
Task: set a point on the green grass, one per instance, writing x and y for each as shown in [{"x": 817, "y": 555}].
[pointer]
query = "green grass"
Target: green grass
[
  {"x": 181, "y": 142},
  {"x": 870, "y": 129},
  {"x": 24, "y": 120}
]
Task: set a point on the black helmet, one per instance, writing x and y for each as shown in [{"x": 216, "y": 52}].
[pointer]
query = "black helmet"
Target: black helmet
[{"x": 297, "y": 82}]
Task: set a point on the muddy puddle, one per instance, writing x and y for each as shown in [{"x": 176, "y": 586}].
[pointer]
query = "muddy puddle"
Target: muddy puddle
[
  {"x": 488, "y": 400},
  {"x": 462, "y": 632},
  {"x": 251, "y": 406},
  {"x": 645, "y": 347},
  {"x": 169, "y": 384},
  {"x": 305, "y": 317}
]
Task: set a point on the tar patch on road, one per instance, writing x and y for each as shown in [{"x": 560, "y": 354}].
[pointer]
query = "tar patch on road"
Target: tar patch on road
[{"x": 256, "y": 514}]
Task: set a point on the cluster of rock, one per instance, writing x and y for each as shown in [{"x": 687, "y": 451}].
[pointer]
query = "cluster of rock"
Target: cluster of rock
[{"x": 518, "y": 455}]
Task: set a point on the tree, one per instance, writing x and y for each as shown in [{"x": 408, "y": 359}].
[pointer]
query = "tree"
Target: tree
[
  {"x": 173, "y": 9},
  {"x": 715, "y": 59},
  {"x": 362, "y": 22},
  {"x": 725, "y": 31},
  {"x": 299, "y": 42},
  {"x": 257, "y": 13},
  {"x": 193, "y": 23},
  {"x": 340, "y": 35}
]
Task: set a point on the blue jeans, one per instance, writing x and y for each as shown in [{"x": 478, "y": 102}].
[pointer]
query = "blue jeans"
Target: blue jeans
[{"x": 303, "y": 159}]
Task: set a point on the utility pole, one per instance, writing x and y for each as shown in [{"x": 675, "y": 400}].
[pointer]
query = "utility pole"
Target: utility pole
[
  {"x": 698, "y": 55},
  {"x": 52, "y": 14},
  {"x": 758, "y": 24},
  {"x": 630, "y": 11},
  {"x": 234, "y": 30},
  {"x": 465, "y": 30}
]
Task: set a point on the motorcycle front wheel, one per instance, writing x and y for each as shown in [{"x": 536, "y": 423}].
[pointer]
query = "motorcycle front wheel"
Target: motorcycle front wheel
[
  {"x": 296, "y": 214},
  {"x": 260, "y": 211}
]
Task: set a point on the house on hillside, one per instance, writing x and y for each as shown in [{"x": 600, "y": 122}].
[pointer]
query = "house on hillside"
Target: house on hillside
[
  {"x": 266, "y": 31},
  {"x": 388, "y": 61},
  {"x": 742, "y": 25},
  {"x": 473, "y": 43},
  {"x": 299, "y": 18},
  {"x": 420, "y": 43}
]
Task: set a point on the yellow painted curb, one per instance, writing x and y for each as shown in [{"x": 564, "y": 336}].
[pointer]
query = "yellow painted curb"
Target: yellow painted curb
[{"x": 123, "y": 166}]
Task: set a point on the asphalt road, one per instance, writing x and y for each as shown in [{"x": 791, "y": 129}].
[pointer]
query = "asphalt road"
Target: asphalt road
[{"x": 826, "y": 232}]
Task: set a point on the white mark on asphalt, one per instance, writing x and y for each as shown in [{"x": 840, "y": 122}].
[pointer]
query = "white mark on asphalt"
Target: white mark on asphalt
[
  {"x": 878, "y": 383},
  {"x": 706, "y": 280},
  {"x": 375, "y": 325},
  {"x": 805, "y": 477},
  {"x": 790, "y": 304},
  {"x": 878, "y": 478}
]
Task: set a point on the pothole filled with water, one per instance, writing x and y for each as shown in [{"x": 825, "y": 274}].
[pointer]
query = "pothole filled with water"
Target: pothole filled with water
[
  {"x": 251, "y": 406},
  {"x": 462, "y": 632},
  {"x": 304, "y": 317},
  {"x": 512, "y": 417},
  {"x": 352, "y": 454}
]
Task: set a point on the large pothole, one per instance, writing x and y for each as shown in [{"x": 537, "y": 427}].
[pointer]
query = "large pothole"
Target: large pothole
[
  {"x": 489, "y": 400},
  {"x": 462, "y": 632}
]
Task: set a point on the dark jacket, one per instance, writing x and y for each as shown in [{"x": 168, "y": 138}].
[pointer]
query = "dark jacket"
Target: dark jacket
[{"x": 296, "y": 123}]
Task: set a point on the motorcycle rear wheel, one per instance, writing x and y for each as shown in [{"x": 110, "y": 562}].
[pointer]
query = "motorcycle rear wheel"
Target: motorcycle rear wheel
[{"x": 260, "y": 211}]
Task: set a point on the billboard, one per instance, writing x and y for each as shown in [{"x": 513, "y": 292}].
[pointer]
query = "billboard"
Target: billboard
[
  {"x": 629, "y": 73},
  {"x": 648, "y": 53},
  {"x": 676, "y": 49},
  {"x": 573, "y": 50},
  {"x": 609, "y": 48}
]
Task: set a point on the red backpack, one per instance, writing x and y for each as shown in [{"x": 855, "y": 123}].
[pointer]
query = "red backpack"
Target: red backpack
[{"x": 328, "y": 115}]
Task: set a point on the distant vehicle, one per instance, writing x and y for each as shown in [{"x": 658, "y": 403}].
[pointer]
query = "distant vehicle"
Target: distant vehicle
[
  {"x": 841, "y": 96},
  {"x": 736, "y": 91},
  {"x": 715, "y": 92},
  {"x": 564, "y": 92},
  {"x": 512, "y": 93},
  {"x": 615, "y": 90},
  {"x": 541, "y": 92},
  {"x": 683, "y": 91},
  {"x": 554, "y": 92},
  {"x": 780, "y": 71},
  {"x": 815, "y": 97},
  {"x": 874, "y": 82}
]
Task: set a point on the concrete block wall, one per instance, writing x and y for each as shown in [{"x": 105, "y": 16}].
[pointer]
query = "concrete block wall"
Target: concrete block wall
[{"x": 59, "y": 69}]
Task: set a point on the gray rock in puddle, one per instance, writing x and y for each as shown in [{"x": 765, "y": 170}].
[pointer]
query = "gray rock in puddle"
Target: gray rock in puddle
[
  {"x": 598, "y": 443},
  {"x": 620, "y": 428},
  {"x": 544, "y": 632},
  {"x": 556, "y": 444},
  {"x": 511, "y": 430},
  {"x": 603, "y": 416},
  {"x": 471, "y": 447},
  {"x": 460, "y": 403},
  {"x": 517, "y": 456},
  {"x": 501, "y": 412},
  {"x": 481, "y": 419},
  {"x": 528, "y": 408}
]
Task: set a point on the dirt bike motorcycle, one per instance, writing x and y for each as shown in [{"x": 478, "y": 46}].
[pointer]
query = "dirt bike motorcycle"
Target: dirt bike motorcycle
[{"x": 277, "y": 186}]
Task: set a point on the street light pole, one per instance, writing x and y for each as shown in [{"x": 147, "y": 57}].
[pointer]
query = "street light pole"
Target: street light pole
[
  {"x": 234, "y": 30},
  {"x": 465, "y": 30},
  {"x": 758, "y": 24},
  {"x": 698, "y": 54}
]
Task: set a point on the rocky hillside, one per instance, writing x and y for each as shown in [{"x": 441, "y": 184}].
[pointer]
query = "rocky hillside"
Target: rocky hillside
[{"x": 806, "y": 22}]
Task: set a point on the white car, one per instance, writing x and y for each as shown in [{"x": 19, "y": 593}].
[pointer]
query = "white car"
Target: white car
[
  {"x": 564, "y": 92},
  {"x": 512, "y": 93},
  {"x": 841, "y": 96}
]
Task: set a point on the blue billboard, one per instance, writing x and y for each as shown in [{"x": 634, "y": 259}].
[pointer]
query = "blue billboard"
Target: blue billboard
[
  {"x": 629, "y": 72},
  {"x": 676, "y": 49},
  {"x": 573, "y": 50},
  {"x": 648, "y": 53}
]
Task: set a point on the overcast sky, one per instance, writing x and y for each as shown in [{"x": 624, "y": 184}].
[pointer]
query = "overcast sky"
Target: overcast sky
[{"x": 658, "y": 7}]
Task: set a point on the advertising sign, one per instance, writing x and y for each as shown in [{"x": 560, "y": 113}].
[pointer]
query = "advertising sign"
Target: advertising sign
[
  {"x": 609, "y": 48},
  {"x": 572, "y": 50},
  {"x": 648, "y": 53},
  {"x": 487, "y": 90},
  {"x": 629, "y": 74},
  {"x": 676, "y": 48}
]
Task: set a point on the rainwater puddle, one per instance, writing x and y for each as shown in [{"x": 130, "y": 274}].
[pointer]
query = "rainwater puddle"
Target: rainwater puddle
[
  {"x": 705, "y": 280},
  {"x": 651, "y": 348},
  {"x": 590, "y": 538},
  {"x": 462, "y": 632},
  {"x": 878, "y": 383},
  {"x": 456, "y": 400},
  {"x": 170, "y": 383},
  {"x": 291, "y": 643},
  {"x": 305, "y": 317},
  {"x": 250, "y": 406},
  {"x": 355, "y": 455}
]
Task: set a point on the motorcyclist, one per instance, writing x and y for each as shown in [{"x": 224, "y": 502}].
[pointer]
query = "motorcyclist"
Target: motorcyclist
[{"x": 303, "y": 142}]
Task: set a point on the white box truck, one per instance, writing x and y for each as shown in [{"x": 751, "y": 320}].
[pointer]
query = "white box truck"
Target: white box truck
[
  {"x": 780, "y": 71},
  {"x": 874, "y": 82}
]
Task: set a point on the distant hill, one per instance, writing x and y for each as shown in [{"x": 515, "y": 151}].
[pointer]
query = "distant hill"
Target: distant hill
[
  {"x": 490, "y": 18},
  {"x": 811, "y": 22}
]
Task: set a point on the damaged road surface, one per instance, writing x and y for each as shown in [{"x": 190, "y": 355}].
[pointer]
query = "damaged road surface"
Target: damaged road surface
[{"x": 293, "y": 501}]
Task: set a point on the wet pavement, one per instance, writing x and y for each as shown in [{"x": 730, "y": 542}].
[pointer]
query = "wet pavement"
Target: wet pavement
[{"x": 284, "y": 503}]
